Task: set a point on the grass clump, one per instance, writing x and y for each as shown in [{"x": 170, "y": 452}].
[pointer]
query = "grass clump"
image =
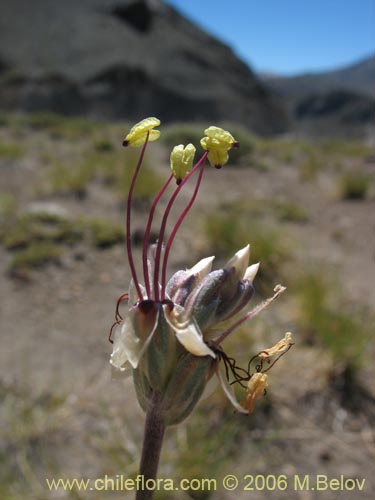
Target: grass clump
[
  {"x": 342, "y": 331},
  {"x": 70, "y": 179},
  {"x": 8, "y": 206},
  {"x": 105, "y": 234},
  {"x": 354, "y": 186},
  {"x": 11, "y": 150},
  {"x": 37, "y": 254},
  {"x": 24, "y": 229},
  {"x": 56, "y": 125},
  {"x": 288, "y": 211}
]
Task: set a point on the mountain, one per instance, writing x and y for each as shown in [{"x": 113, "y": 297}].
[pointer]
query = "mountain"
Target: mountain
[
  {"x": 125, "y": 59},
  {"x": 339, "y": 102},
  {"x": 358, "y": 78}
]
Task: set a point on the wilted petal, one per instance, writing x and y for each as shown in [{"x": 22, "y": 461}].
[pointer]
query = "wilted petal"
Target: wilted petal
[
  {"x": 187, "y": 332},
  {"x": 255, "y": 389},
  {"x": 228, "y": 390},
  {"x": 280, "y": 348}
]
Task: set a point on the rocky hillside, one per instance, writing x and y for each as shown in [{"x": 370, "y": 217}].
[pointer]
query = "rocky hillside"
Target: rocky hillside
[
  {"x": 358, "y": 78},
  {"x": 340, "y": 101},
  {"x": 125, "y": 59}
]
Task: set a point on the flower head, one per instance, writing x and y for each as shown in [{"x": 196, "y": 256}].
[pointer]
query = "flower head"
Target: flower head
[
  {"x": 171, "y": 337},
  {"x": 138, "y": 133}
]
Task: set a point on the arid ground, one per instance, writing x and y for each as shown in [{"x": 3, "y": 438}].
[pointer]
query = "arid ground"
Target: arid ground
[{"x": 307, "y": 209}]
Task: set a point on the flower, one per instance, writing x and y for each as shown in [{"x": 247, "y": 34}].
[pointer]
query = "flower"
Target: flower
[
  {"x": 182, "y": 161},
  {"x": 218, "y": 142},
  {"x": 171, "y": 338},
  {"x": 138, "y": 133}
]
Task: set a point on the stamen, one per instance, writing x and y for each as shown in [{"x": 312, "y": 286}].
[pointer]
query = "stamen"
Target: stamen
[
  {"x": 164, "y": 223},
  {"x": 174, "y": 232},
  {"x": 128, "y": 218},
  {"x": 146, "y": 238}
]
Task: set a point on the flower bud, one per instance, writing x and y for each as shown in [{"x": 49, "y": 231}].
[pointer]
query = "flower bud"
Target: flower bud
[{"x": 182, "y": 161}]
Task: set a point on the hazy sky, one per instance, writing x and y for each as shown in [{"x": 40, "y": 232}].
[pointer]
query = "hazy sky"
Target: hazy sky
[{"x": 289, "y": 36}]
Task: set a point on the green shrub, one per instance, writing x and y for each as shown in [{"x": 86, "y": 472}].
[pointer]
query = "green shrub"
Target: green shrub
[
  {"x": 36, "y": 255},
  {"x": 289, "y": 211},
  {"x": 354, "y": 186},
  {"x": 70, "y": 179},
  {"x": 105, "y": 234}
]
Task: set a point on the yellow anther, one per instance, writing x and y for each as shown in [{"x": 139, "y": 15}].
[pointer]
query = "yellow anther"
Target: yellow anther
[
  {"x": 182, "y": 161},
  {"x": 218, "y": 142},
  {"x": 138, "y": 133}
]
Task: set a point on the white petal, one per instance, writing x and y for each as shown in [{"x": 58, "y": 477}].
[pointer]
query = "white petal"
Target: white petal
[
  {"x": 187, "y": 332},
  {"x": 193, "y": 342},
  {"x": 239, "y": 261},
  {"x": 202, "y": 267},
  {"x": 127, "y": 345},
  {"x": 251, "y": 272},
  {"x": 228, "y": 389}
]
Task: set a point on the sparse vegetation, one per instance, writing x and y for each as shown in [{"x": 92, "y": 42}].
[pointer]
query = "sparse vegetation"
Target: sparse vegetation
[
  {"x": 105, "y": 234},
  {"x": 226, "y": 234},
  {"x": 10, "y": 150},
  {"x": 354, "y": 186},
  {"x": 325, "y": 318},
  {"x": 35, "y": 255},
  {"x": 39, "y": 238},
  {"x": 290, "y": 212}
]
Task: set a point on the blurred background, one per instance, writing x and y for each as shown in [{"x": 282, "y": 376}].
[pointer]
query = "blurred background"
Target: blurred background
[{"x": 294, "y": 83}]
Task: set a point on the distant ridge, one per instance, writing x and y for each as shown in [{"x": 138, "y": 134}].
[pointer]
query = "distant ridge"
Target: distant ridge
[
  {"x": 338, "y": 102},
  {"x": 358, "y": 78}
]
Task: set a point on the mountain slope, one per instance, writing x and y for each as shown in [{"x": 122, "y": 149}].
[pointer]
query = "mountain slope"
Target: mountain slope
[
  {"x": 358, "y": 78},
  {"x": 128, "y": 59}
]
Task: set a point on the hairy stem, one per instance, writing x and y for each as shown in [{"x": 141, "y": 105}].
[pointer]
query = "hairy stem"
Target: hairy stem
[{"x": 152, "y": 444}]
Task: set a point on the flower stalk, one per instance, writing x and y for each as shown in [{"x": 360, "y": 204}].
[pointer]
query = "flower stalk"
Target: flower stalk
[
  {"x": 171, "y": 337},
  {"x": 152, "y": 444}
]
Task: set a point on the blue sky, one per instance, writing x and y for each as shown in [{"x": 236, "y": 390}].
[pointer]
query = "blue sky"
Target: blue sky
[{"x": 289, "y": 36}]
